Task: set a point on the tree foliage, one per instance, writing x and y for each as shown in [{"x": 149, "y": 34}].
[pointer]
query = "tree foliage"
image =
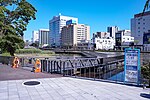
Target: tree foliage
[
  {"x": 146, "y": 72},
  {"x": 35, "y": 44},
  {"x": 14, "y": 18},
  {"x": 146, "y": 6},
  {"x": 146, "y": 69}
]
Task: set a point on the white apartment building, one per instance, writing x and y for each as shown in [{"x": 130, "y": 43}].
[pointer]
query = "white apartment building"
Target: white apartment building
[
  {"x": 43, "y": 37},
  {"x": 140, "y": 24},
  {"x": 104, "y": 43},
  {"x": 55, "y": 26},
  {"x": 74, "y": 33},
  {"x": 101, "y": 34},
  {"x": 112, "y": 30},
  {"x": 124, "y": 36},
  {"x": 35, "y": 36}
]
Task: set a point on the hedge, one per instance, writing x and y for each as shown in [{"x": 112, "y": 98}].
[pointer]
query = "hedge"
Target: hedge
[
  {"x": 23, "y": 51},
  {"x": 31, "y": 51}
]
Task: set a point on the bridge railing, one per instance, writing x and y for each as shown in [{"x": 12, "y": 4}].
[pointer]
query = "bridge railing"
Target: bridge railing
[
  {"x": 109, "y": 71},
  {"x": 85, "y": 68}
]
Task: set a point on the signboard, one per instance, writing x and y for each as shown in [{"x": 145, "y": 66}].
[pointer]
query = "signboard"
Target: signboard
[{"x": 132, "y": 65}]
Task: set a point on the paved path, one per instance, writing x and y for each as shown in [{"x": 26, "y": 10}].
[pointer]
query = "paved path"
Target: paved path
[
  {"x": 8, "y": 73},
  {"x": 65, "y": 88},
  {"x": 55, "y": 87}
]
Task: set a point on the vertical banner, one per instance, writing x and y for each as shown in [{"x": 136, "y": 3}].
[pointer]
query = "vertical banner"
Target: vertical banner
[{"x": 132, "y": 65}]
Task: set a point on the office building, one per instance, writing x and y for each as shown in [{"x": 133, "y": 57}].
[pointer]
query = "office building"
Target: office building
[
  {"x": 146, "y": 41},
  {"x": 112, "y": 30},
  {"x": 74, "y": 33},
  {"x": 35, "y": 36},
  {"x": 43, "y": 37},
  {"x": 140, "y": 24},
  {"x": 71, "y": 22},
  {"x": 55, "y": 26}
]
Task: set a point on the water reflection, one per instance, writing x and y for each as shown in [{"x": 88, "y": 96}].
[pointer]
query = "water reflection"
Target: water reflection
[
  {"x": 118, "y": 77},
  {"x": 111, "y": 54}
]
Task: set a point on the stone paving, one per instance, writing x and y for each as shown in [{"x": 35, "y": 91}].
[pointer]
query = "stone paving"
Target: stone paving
[{"x": 65, "y": 88}]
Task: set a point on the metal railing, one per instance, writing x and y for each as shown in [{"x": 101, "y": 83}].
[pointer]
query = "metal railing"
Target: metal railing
[
  {"x": 6, "y": 60},
  {"x": 85, "y": 68},
  {"x": 111, "y": 68}
]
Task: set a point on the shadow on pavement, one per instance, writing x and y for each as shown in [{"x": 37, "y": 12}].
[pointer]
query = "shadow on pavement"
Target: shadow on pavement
[{"x": 145, "y": 95}]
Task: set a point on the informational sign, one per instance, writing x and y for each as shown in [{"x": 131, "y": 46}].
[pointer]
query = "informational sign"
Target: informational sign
[{"x": 132, "y": 65}]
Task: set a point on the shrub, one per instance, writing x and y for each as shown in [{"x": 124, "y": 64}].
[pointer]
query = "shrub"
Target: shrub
[
  {"x": 145, "y": 70},
  {"x": 6, "y": 54},
  {"x": 24, "y": 51}
]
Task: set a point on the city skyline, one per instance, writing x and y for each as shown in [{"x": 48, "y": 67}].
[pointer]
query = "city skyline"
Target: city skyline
[{"x": 98, "y": 14}]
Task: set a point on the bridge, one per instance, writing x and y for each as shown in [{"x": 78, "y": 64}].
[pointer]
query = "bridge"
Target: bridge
[
  {"x": 101, "y": 68},
  {"x": 85, "y": 53}
]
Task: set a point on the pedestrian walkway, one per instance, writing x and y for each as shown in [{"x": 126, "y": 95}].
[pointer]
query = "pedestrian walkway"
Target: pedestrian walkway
[
  {"x": 64, "y": 88},
  {"x": 8, "y": 73}
]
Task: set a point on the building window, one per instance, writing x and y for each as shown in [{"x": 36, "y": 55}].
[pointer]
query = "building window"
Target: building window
[{"x": 138, "y": 22}]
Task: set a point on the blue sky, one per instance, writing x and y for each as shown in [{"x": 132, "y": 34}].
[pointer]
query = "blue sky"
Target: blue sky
[{"x": 98, "y": 14}]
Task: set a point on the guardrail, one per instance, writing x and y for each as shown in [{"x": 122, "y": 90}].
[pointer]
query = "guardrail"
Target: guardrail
[
  {"x": 94, "y": 68},
  {"x": 6, "y": 60}
]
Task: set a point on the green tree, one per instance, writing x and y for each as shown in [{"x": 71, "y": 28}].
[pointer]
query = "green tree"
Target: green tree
[
  {"x": 146, "y": 72},
  {"x": 135, "y": 43},
  {"x": 15, "y": 16},
  {"x": 146, "y": 6},
  {"x": 36, "y": 44},
  {"x": 146, "y": 69}
]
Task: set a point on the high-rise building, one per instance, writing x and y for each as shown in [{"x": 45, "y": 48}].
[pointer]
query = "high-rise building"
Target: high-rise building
[
  {"x": 140, "y": 24},
  {"x": 35, "y": 36},
  {"x": 55, "y": 26},
  {"x": 74, "y": 33},
  {"x": 112, "y": 30},
  {"x": 43, "y": 37},
  {"x": 71, "y": 22}
]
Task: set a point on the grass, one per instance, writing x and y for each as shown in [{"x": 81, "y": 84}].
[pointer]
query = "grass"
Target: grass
[
  {"x": 24, "y": 51},
  {"x": 34, "y": 52},
  {"x": 6, "y": 54}
]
